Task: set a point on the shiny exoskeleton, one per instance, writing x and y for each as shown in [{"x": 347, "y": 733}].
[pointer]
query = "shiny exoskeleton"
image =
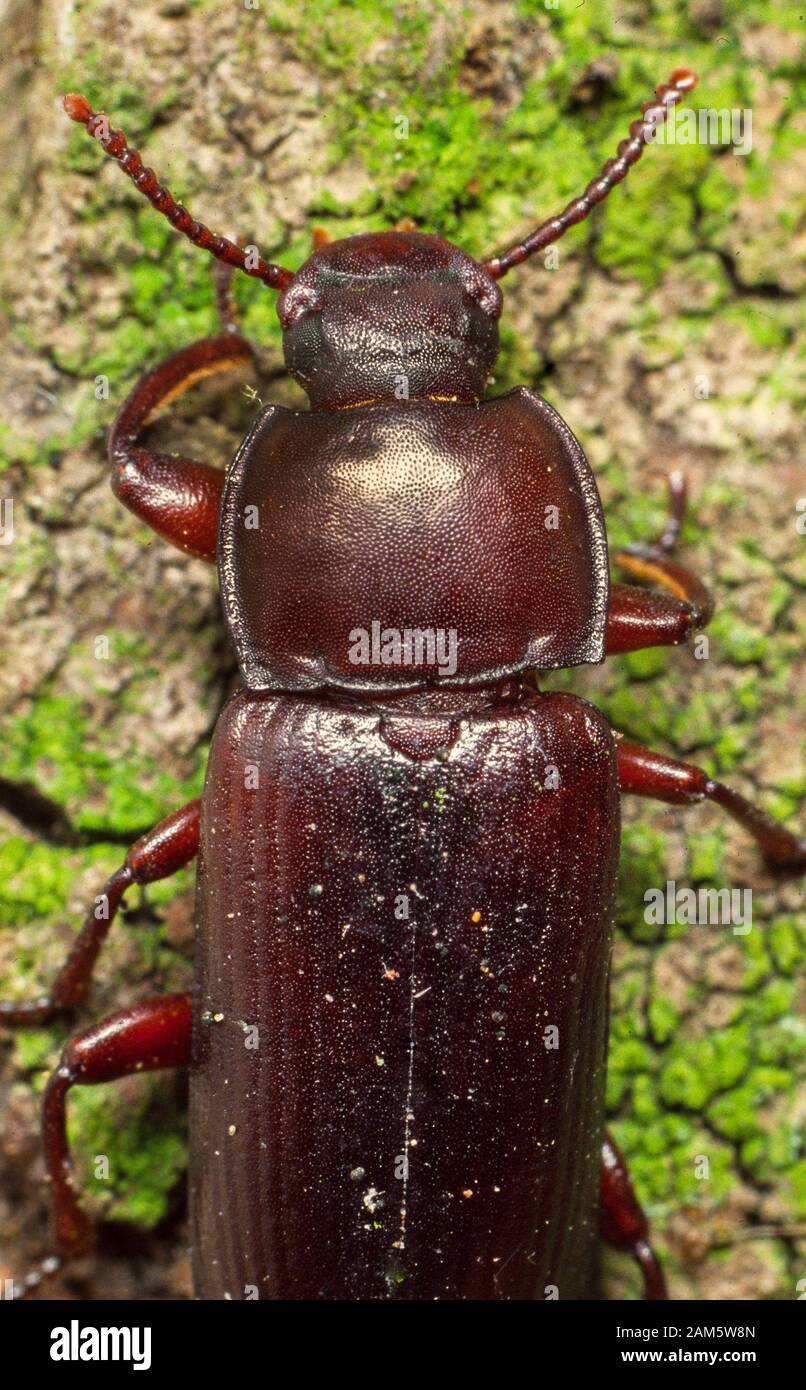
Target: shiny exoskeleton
[{"x": 407, "y": 851}]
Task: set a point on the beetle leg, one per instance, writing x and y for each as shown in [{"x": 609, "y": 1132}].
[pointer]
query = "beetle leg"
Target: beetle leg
[
  {"x": 225, "y": 303},
  {"x": 177, "y": 497},
  {"x": 623, "y": 1223},
  {"x": 153, "y": 1035},
  {"x": 639, "y": 617},
  {"x": 646, "y": 773},
  {"x": 666, "y": 542},
  {"x": 649, "y": 565},
  {"x": 157, "y": 854}
]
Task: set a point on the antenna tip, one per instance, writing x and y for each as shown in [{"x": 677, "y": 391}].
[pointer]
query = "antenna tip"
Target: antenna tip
[
  {"x": 684, "y": 79},
  {"x": 77, "y": 107}
]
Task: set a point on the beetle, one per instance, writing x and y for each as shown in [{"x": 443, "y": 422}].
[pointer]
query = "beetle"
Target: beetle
[{"x": 407, "y": 849}]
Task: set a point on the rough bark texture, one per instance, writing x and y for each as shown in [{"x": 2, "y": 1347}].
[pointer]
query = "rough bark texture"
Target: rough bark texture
[{"x": 667, "y": 336}]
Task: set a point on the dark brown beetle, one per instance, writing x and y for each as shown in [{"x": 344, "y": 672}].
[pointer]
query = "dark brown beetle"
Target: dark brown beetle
[{"x": 407, "y": 852}]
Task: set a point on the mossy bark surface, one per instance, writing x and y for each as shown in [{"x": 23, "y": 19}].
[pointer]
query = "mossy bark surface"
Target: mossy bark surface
[{"x": 667, "y": 335}]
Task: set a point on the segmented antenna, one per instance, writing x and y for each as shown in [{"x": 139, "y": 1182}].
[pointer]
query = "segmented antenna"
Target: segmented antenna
[
  {"x": 145, "y": 180},
  {"x": 653, "y": 114}
]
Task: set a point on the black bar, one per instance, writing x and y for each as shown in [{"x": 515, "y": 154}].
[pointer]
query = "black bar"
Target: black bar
[{"x": 214, "y": 1344}]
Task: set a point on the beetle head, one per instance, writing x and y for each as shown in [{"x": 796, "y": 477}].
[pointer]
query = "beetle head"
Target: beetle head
[{"x": 390, "y": 316}]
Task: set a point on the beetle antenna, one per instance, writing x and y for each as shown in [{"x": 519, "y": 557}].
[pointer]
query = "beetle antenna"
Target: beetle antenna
[
  {"x": 642, "y": 132},
  {"x": 145, "y": 180}
]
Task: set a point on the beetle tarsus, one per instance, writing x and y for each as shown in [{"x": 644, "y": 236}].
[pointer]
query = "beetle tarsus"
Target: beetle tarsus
[
  {"x": 153, "y": 1035},
  {"x": 643, "y": 772},
  {"x": 677, "y": 485},
  {"x": 651, "y": 1272},
  {"x": 156, "y": 855},
  {"x": 72, "y": 982},
  {"x": 225, "y": 303},
  {"x": 623, "y": 1222},
  {"x": 783, "y": 851}
]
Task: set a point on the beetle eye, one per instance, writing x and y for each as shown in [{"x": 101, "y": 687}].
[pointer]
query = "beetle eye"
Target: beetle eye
[
  {"x": 483, "y": 291},
  {"x": 296, "y": 301}
]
